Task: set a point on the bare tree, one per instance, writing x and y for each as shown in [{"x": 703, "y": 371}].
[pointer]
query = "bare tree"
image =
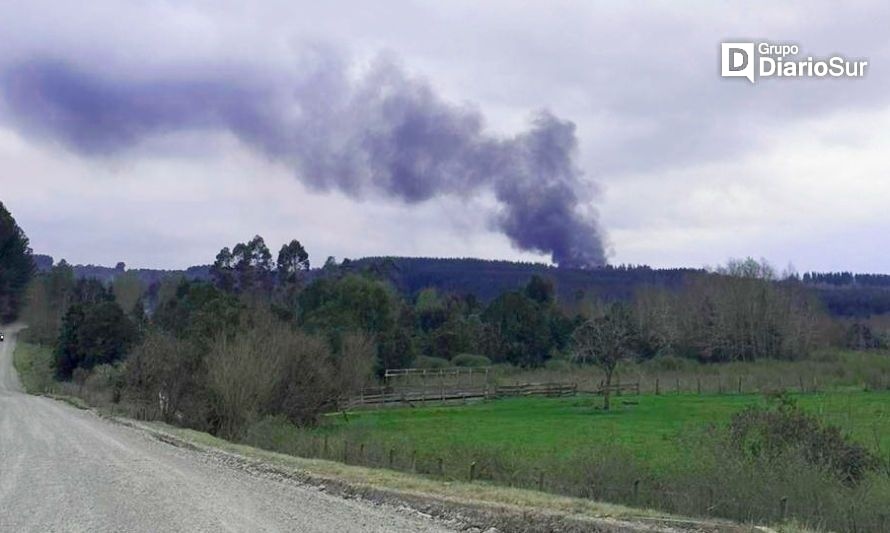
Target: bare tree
[
  {"x": 604, "y": 341},
  {"x": 163, "y": 373},
  {"x": 355, "y": 364},
  {"x": 243, "y": 374}
]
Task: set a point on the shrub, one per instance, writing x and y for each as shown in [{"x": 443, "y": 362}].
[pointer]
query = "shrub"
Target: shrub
[
  {"x": 93, "y": 334},
  {"x": 164, "y": 375},
  {"x": 471, "y": 360},
  {"x": 773, "y": 432},
  {"x": 308, "y": 378},
  {"x": 272, "y": 368}
]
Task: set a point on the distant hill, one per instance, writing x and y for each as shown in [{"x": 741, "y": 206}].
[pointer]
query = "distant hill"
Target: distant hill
[
  {"x": 487, "y": 279},
  {"x": 107, "y": 274},
  {"x": 843, "y": 293},
  {"x": 850, "y": 294}
]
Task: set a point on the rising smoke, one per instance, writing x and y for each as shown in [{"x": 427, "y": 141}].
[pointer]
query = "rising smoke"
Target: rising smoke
[{"x": 383, "y": 133}]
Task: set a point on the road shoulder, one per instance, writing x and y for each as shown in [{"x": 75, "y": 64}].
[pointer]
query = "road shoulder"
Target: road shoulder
[{"x": 476, "y": 506}]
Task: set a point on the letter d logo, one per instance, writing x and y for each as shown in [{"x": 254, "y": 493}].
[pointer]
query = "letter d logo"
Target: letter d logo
[{"x": 737, "y": 60}]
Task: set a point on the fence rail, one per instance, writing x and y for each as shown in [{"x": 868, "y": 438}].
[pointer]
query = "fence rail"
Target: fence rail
[
  {"x": 382, "y": 396},
  {"x": 537, "y": 389},
  {"x": 616, "y": 389}
]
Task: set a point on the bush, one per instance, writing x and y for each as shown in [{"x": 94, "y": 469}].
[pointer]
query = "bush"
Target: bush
[
  {"x": 165, "y": 377},
  {"x": 104, "y": 384},
  {"x": 425, "y": 361},
  {"x": 244, "y": 372},
  {"x": 271, "y": 368},
  {"x": 93, "y": 334},
  {"x": 470, "y": 360},
  {"x": 771, "y": 433}
]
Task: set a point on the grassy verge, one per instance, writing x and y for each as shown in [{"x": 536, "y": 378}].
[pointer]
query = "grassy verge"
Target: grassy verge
[
  {"x": 33, "y": 363},
  {"x": 664, "y": 452},
  {"x": 534, "y": 510}
]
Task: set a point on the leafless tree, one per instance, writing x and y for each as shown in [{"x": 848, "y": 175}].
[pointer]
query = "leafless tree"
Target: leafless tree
[{"x": 604, "y": 341}]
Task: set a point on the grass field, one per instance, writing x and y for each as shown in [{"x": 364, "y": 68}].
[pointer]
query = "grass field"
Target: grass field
[
  {"x": 652, "y": 451},
  {"x": 650, "y": 427}
]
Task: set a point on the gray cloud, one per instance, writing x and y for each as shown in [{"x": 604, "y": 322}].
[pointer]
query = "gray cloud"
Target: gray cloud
[
  {"x": 655, "y": 125},
  {"x": 385, "y": 134}
]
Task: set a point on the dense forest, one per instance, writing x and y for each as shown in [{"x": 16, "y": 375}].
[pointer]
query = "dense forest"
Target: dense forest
[{"x": 844, "y": 294}]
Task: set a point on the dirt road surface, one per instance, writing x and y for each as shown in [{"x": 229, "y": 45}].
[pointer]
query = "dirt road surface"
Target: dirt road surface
[{"x": 64, "y": 469}]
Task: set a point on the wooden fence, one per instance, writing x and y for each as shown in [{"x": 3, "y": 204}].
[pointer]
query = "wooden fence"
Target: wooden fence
[
  {"x": 537, "y": 389},
  {"x": 381, "y": 396},
  {"x": 615, "y": 389}
]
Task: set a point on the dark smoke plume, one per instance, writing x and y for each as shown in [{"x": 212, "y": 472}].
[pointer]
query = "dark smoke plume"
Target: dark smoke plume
[{"x": 385, "y": 134}]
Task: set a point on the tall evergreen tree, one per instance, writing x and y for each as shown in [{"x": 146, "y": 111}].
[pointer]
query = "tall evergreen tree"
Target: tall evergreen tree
[{"x": 16, "y": 265}]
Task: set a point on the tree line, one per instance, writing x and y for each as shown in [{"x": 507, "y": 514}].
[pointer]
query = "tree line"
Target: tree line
[{"x": 262, "y": 337}]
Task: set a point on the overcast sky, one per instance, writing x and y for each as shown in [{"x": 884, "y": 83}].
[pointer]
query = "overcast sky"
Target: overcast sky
[{"x": 679, "y": 166}]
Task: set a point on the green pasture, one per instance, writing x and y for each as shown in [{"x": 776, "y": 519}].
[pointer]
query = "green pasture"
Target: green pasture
[{"x": 659, "y": 430}]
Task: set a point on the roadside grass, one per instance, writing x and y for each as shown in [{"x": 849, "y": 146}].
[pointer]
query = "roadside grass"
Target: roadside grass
[
  {"x": 33, "y": 363},
  {"x": 662, "y": 452},
  {"x": 403, "y": 484}
]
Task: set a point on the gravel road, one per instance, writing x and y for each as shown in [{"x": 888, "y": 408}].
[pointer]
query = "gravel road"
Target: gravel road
[{"x": 63, "y": 469}]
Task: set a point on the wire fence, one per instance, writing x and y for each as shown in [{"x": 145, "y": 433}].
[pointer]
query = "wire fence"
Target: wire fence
[{"x": 707, "y": 497}]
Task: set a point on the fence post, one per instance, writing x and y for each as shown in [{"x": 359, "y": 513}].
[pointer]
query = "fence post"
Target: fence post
[
  {"x": 441, "y": 467},
  {"x": 719, "y": 385},
  {"x": 361, "y": 453},
  {"x": 472, "y": 471},
  {"x": 392, "y": 452},
  {"x": 657, "y": 387},
  {"x": 345, "y": 450},
  {"x": 783, "y": 508},
  {"x": 636, "y": 490},
  {"x": 414, "y": 461},
  {"x": 740, "y": 384}
]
